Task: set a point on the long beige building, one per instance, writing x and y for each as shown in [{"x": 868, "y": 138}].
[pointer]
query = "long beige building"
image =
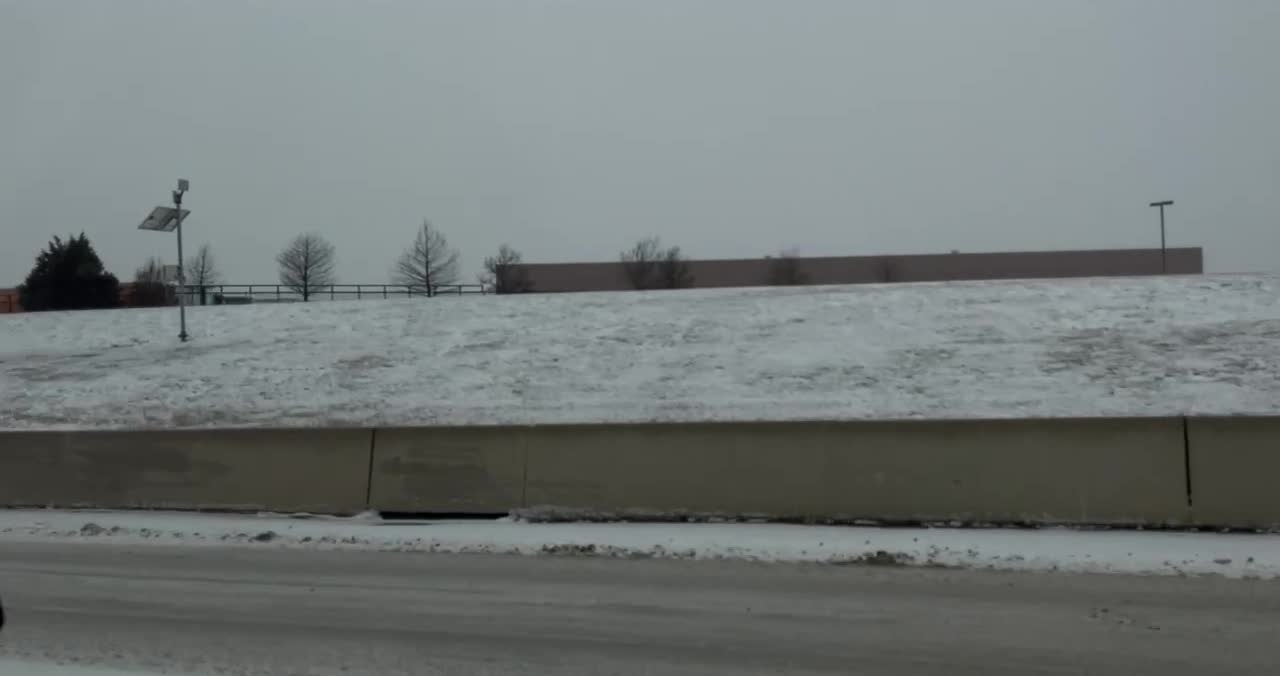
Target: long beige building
[{"x": 611, "y": 276}]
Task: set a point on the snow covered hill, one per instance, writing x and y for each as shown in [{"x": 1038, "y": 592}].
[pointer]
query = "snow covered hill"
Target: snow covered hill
[{"x": 1208, "y": 345}]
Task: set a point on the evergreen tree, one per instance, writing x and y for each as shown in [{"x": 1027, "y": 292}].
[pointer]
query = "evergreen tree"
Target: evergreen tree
[{"x": 69, "y": 276}]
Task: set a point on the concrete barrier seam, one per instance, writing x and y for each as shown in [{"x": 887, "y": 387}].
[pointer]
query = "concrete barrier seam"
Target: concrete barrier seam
[
  {"x": 1186, "y": 463},
  {"x": 368, "y": 479},
  {"x": 524, "y": 466}
]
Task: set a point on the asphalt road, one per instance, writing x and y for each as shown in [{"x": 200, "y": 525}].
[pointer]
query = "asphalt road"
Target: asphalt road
[{"x": 270, "y": 611}]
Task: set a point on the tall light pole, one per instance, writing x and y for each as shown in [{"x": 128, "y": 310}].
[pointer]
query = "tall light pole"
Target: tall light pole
[
  {"x": 167, "y": 219},
  {"x": 183, "y": 186},
  {"x": 1164, "y": 258}
]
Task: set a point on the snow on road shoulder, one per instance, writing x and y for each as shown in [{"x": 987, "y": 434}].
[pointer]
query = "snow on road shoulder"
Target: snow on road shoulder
[
  {"x": 1078, "y": 551},
  {"x": 27, "y": 668}
]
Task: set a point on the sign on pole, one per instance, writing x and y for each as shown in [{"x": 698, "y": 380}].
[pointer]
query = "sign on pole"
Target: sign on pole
[{"x": 163, "y": 219}]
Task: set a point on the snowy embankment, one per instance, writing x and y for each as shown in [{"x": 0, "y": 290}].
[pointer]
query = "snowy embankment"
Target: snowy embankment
[
  {"x": 1148, "y": 346},
  {"x": 1062, "y": 550}
]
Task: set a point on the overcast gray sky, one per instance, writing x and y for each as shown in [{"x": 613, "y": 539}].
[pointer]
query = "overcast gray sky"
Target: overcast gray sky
[{"x": 571, "y": 128}]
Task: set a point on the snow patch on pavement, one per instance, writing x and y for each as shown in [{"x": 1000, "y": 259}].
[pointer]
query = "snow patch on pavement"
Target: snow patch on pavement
[
  {"x": 27, "y": 668},
  {"x": 1232, "y": 555}
]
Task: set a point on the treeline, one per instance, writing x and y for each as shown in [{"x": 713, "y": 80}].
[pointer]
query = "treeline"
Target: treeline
[
  {"x": 69, "y": 275},
  {"x": 308, "y": 265}
]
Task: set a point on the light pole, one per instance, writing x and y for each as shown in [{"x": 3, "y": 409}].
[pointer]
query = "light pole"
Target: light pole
[
  {"x": 1164, "y": 258},
  {"x": 166, "y": 219},
  {"x": 183, "y": 186}
]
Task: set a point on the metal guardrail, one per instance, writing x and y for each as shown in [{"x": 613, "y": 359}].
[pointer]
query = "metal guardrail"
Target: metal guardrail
[
  {"x": 237, "y": 294},
  {"x": 228, "y": 294}
]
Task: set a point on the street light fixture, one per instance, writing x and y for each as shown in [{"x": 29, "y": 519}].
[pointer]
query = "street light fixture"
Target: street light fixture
[
  {"x": 1164, "y": 259},
  {"x": 169, "y": 219}
]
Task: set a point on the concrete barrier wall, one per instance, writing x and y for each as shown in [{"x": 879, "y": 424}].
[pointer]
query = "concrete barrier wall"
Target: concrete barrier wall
[
  {"x": 1095, "y": 471},
  {"x": 477, "y": 470},
  {"x": 1235, "y": 471},
  {"x": 1120, "y": 471},
  {"x": 283, "y": 470}
]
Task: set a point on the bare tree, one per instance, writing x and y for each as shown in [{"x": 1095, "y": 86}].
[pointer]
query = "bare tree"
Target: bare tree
[
  {"x": 150, "y": 287},
  {"x": 307, "y": 265},
  {"x": 640, "y": 263},
  {"x": 150, "y": 271},
  {"x": 428, "y": 263},
  {"x": 502, "y": 274},
  {"x": 202, "y": 271},
  {"x": 673, "y": 270},
  {"x": 784, "y": 269},
  {"x": 649, "y": 266}
]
